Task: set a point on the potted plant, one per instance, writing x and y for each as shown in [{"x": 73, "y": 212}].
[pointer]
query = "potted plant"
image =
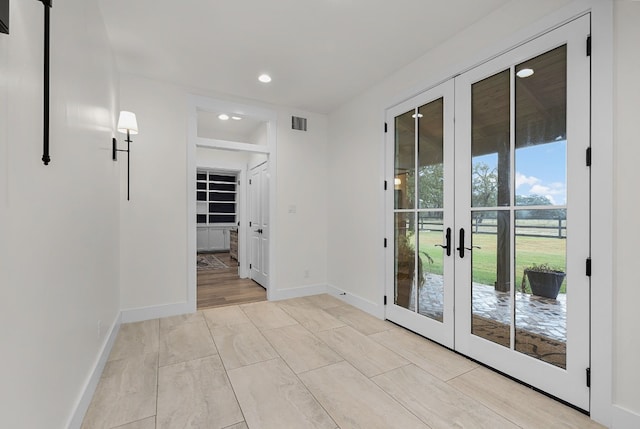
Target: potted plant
[{"x": 544, "y": 280}]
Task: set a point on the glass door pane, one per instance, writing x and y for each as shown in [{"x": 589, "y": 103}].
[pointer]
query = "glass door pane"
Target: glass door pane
[
  {"x": 405, "y": 260},
  {"x": 541, "y": 187},
  {"x": 490, "y": 188},
  {"x": 405, "y": 160}
]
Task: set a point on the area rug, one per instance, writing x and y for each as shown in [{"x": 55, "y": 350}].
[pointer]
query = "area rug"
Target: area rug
[
  {"x": 534, "y": 345},
  {"x": 209, "y": 261}
]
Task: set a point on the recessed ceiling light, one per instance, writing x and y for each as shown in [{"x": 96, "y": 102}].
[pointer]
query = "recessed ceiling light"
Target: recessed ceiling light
[
  {"x": 264, "y": 78},
  {"x": 524, "y": 73},
  {"x": 419, "y": 115},
  {"x": 236, "y": 118},
  {"x": 223, "y": 117}
]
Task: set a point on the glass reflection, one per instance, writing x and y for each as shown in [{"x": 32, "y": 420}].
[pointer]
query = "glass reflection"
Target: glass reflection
[
  {"x": 430, "y": 155},
  {"x": 405, "y": 160},
  {"x": 491, "y": 287},
  {"x": 431, "y": 265},
  {"x": 405, "y": 259},
  {"x": 490, "y": 141}
]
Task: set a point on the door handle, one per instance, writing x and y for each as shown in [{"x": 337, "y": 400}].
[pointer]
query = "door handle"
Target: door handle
[
  {"x": 461, "y": 248},
  {"x": 447, "y": 246},
  {"x": 259, "y": 231}
]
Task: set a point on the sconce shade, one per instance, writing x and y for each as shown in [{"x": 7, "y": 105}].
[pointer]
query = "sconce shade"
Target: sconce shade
[{"x": 127, "y": 122}]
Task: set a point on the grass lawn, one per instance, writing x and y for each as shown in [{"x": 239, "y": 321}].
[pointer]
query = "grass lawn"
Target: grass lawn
[{"x": 529, "y": 250}]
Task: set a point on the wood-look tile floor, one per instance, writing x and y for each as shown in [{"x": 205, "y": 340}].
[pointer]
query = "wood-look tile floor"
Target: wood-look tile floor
[
  {"x": 311, "y": 362},
  {"x": 222, "y": 287}
]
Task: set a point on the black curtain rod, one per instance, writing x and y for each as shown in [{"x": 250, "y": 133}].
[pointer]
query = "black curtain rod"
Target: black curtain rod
[{"x": 47, "y": 30}]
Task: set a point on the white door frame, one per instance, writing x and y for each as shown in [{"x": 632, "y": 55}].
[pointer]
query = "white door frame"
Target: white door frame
[
  {"x": 602, "y": 407},
  {"x": 195, "y": 103}
]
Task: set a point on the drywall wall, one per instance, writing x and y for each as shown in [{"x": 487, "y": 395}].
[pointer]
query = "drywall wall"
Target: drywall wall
[
  {"x": 207, "y": 156},
  {"x": 59, "y": 223},
  {"x": 626, "y": 205},
  {"x": 355, "y": 207},
  {"x": 355, "y": 144},
  {"x": 154, "y": 223}
]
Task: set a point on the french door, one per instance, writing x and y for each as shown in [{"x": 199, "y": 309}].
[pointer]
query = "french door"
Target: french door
[{"x": 489, "y": 213}]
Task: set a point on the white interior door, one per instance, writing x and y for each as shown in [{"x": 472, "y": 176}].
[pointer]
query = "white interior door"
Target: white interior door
[
  {"x": 516, "y": 197},
  {"x": 259, "y": 224}
]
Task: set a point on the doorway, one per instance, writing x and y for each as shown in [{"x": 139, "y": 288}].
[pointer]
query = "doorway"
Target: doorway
[
  {"x": 220, "y": 204},
  {"x": 491, "y": 193},
  {"x": 226, "y": 140}
]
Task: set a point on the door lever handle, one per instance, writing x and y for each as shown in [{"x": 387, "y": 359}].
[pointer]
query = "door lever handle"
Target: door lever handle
[
  {"x": 447, "y": 246},
  {"x": 461, "y": 248},
  {"x": 473, "y": 247}
]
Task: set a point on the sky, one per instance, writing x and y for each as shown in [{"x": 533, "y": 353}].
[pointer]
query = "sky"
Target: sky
[{"x": 540, "y": 170}]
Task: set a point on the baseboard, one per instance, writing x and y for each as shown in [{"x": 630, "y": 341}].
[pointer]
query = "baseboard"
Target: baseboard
[
  {"x": 156, "y": 312},
  {"x": 358, "y": 302},
  {"x": 82, "y": 405},
  {"x": 625, "y": 419},
  {"x": 296, "y": 292}
]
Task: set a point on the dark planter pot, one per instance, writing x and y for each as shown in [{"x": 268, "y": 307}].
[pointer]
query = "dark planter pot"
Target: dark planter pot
[{"x": 545, "y": 284}]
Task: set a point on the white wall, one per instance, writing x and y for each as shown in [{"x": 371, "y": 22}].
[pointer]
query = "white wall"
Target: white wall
[
  {"x": 355, "y": 149},
  {"x": 259, "y": 135},
  {"x": 356, "y": 143},
  {"x": 207, "y": 156},
  {"x": 153, "y": 224},
  {"x": 627, "y": 205},
  {"x": 59, "y": 223}
]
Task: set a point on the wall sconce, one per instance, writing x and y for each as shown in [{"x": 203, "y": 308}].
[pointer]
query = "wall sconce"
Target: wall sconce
[{"x": 126, "y": 124}]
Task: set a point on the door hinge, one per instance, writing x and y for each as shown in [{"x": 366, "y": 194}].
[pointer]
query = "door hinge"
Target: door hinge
[
  {"x": 385, "y": 127},
  {"x": 249, "y": 266},
  {"x": 238, "y": 183},
  {"x": 249, "y": 181},
  {"x": 385, "y": 185},
  {"x": 385, "y": 300},
  {"x": 249, "y": 223},
  {"x": 385, "y": 242},
  {"x": 588, "y": 377},
  {"x": 588, "y": 267},
  {"x": 588, "y": 157},
  {"x": 588, "y": 46},
  {"x": 238, "y": 223}
]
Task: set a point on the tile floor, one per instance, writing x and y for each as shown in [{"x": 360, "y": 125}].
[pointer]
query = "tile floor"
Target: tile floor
[{"x": 311, "y": 362}]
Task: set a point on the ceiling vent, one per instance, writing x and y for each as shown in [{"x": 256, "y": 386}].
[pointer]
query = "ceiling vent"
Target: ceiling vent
[{"x": 298, "y": 123}]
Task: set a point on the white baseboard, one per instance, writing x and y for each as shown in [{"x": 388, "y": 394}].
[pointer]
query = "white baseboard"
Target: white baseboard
[
  {"x": 625, "y": 419},
  {"x": 156, "y": 312},
  {"x": 358, "y": 302},
  {"x": 296, "y": 292},
  {"x": 82, "y": 405}
]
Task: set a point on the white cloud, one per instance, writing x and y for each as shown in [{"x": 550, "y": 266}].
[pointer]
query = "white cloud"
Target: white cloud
[
  {"x": 552, "y": 191},
  {"x": 556, "y": 192},
  {"x": 521, "y": 179}
]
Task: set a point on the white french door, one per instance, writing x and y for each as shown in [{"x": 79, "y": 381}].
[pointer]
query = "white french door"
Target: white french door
[
  {"x": 421, "y": 201},
  {"x": 489, "y": 213}
]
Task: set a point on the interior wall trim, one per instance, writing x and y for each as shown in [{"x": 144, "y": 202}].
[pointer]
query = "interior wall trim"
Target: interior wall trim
[{"x": 86, "y": 395}]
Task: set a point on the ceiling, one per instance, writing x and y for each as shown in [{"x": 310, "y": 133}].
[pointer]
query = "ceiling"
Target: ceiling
[{"x": 320, "y": 53}]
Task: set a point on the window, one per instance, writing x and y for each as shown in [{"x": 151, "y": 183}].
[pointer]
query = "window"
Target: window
[{"x": 215, "y": 198}]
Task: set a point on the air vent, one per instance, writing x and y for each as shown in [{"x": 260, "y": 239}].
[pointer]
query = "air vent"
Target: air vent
[{"x": 299, "y": 123}]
